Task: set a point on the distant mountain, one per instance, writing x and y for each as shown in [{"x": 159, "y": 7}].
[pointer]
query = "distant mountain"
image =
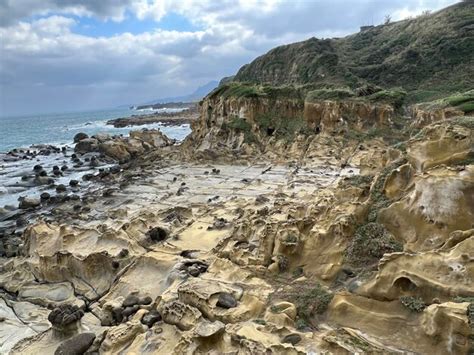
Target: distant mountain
[{"x": 197, "y": 95}]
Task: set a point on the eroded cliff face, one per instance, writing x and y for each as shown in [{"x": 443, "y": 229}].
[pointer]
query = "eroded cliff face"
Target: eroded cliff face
[
  {"x": 321, "y": 241},
  {"x": 331, "y": 115},
  {"x": 279, "y": 127},
  {"x": 422, "y": 117}
]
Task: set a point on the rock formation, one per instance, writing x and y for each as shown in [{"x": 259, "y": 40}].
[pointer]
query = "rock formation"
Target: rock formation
[{"x": 284, "y": 224}]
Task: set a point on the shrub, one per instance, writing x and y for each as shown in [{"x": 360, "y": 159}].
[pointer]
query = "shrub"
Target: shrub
[
  {"x": 465, "y": 121},
  {"x": 395, "y": 97},
  {"x": 377, "y": 195},
  {"x": 310, "y": 300},
  {"x": 241, "y": 125},
  {"x": 414, "y": 304},
  {"x": 358, "y": 180},
  {"x": 370, "y": 242},
  {"x": 329, "y": 94},
  {"x": 283, "y": 127},
  {"x": 462, "y": 101}
]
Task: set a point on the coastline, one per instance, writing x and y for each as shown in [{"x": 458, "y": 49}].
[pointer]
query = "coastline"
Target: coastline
[{"x": 187, "y": 115}]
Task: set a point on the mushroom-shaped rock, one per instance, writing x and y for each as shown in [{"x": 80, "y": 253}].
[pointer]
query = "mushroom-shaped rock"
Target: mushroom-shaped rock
[{"x": 65, "y": 318}]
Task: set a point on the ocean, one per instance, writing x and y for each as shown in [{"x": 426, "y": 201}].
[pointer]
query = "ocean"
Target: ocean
[
  {"x": 60, "y": 128},
  {"x": 17, "y": 177}
]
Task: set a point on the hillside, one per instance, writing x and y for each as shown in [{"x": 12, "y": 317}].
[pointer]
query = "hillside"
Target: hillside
[{"x": 429, "y": 56}]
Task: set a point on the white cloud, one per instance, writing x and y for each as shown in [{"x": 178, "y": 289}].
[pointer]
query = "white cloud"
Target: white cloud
[{"x": 45, "y": 63}]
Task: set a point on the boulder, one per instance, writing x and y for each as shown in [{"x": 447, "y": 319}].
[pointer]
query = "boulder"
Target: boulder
[
  {"x": 180, "y": 314},
  {"x": 226, "y": 300},
  {"x": 77, "y": 345},
  {"x": 80, "y": 136},
  {"x": 292, "y": 339},
  {"x": 29, "y": 202},
  {"x": 101, "y": 137},
  {"x": 116, "y": 150},
  {"x": 207, "y": 329},
  {"x": 87, "y": 145},
  {"x": 154, "y": 137},
  {"x": 151, "y": 318}
]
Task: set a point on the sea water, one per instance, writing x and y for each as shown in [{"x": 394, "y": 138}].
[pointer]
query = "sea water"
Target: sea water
[{"x": 60, "y": 128}]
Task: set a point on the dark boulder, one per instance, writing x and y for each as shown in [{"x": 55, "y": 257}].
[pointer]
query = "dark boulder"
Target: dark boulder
[
  {"x": 292, "y": 339},
  {"x": 73, "y": 183},
  {"x": 80, "y": 136},
  {"x": 145, "y": 300},
  {"x": 60, "y": 188},
  {"x": 226, "y": 300},
  {"x": 151, "y": 318},
  {"x": 77, "y": 345},
  {"x": 130, "y": 310},
  {"x": 131, "y": 300},
  {"x": 45, "y": 196},
  {"x": 157, "y": 234}
]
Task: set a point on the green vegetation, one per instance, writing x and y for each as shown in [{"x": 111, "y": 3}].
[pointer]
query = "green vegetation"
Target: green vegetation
[
  {"x": 396, "y": 134},
  {"x": 241, "y": 125},
  {"x": 361, "y": 181},
  {"x": 394, "y": 97},
  {"x": 414, "y": 304},
  {"x": 461, "y": 101},
  {"x": 237, "y": 90},
  {"x": 281, "y": 127},
  {"x": 251, "y": 90},
  {"x": 377, "y": 196},
  {"x": 310, "y": 299},
  {"x": 370, "y": 242},
  {"x": 465, "y": 121},
  {"x": 429, "y": 56},
  {"x": 329, "y": 94}
]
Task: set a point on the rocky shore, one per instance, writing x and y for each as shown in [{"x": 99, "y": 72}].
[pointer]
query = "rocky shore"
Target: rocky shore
[
  {"x": 185, "y": 116},
  {"x": 254, "y": 236}
]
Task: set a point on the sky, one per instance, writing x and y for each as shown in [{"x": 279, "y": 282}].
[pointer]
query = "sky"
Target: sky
[{"x": 66, "y": 55}]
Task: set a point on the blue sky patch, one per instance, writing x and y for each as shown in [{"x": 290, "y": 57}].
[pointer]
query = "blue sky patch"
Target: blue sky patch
[{"x": 93, "y": 27}]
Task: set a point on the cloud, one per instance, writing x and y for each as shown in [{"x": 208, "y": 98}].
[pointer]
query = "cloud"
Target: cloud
[
  {"x": 11, "y": 11},
  {"x": 46, "y": 64}
]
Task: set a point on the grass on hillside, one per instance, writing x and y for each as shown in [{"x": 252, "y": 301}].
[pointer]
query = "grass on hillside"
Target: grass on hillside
[
  {"x": 249, "y": 90},
  {"x": 462, "y": 101},
  {"x": 430, "y": 56},
  {"x": 394, "y": 97}
]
